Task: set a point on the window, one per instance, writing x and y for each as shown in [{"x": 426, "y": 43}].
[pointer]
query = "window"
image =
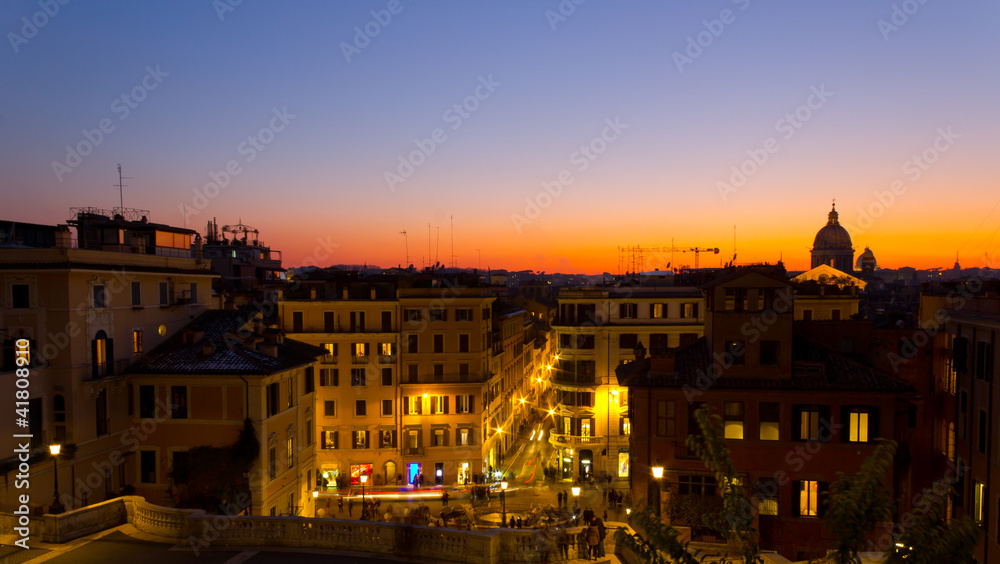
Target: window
[
  {"x": 438, "y": 314},
  {"x": 147, "y": 401},
  {"x": 329, "y": 377},
  {"x": 689, "y": 310},
  {"x": 463, "y": 343},
  {"x": 963, "y": 413},
  {"x": 463, "y": 403},
  {"x": 359, "y": 352},
  {"x": 329, "y": 408},
  {"x": 627, "y": 341},
  {"x": 357, "y": 322},
  {"x": 807, "y": 315},
  {"x": 413, "y": 405},
  {"x": 164, "y": 293},
  {"x": 735, "y": 352},
  {"x": 463, "y": 437},
  {"x": 147, "y": 466},
  {"x": 387, "y": 439},
  {"x": 310, "y": 380},
  {"x": 20, "y": 296},
  {"x": 357, "y": 376},
  {"x": 272, "y": 394},
  {"x": 808, "y": 491},
  {"x": 387, "y": 322},
  {"x": 978, "y": 500},
  {"x": 297, "y": 322},
  {"x": 463, "y": 314},
  {"x": 835, "y": 315},
  {"x": 438, "y": 372},
  {"x": 984, "y": 361},
  {"x": 624, "y": 426},
  {"x": 386, "y": 407},
  {"x": 272, "y": 463},
  {"x": 360, "y": 408},
  {"x": 666, "y": 418},
  {"x": 359, "y": 439},
  {"x": 411, "y": 344},
  {"x": 193, "y": 293},
  {"x": 137, "y": 341},
  {"x": 769, "y": 421},
  {"x": 439, "y": 405},
  {"x": 290, "y": 392},
  {"x": 628, "y": 311},
  {"x": 767, "y": 495},
  {"x": 862, "y": 424},
  {"x": 696, "y": 485},
  {"x": 585, "y": 399},
  {"x": 136, "y": 293},
  {"x": 439, "y": 343},
  {"x": 329, "y": 322},
  {"x": 178, "y": 402},
  {"x": 658, "y": 311},
  {"x": 331, "y": 353},
  {"x": 387, "y": 376},
  {"x": 329, "y": 439},
  {"x": 103, "y": 423},
  {"x": 100, "y": 297},
  {"x": 960, "y": 354},
  {"x": 411, "y": 373},
  {"x": 769, "y": 352},
  {"x": 734, "y": 419},
  {"x": 463, "y": 371},
  {"x": 307, "y": 433},
  {"x": 102, "y": 355},
  {"x": 412, "y": 314},
  {"x": 437, "y": 439},
  {"x": 806, "y": 422},
  {"x": 290, "y": 452}
]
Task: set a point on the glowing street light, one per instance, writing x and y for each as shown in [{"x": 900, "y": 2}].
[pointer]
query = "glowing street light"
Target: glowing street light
[
  {"x": 364, "y": 478},
  {"x": 657, "y": 472},
  {"x": 503, "y": 503},
  {"x": 56, "y": 507}
]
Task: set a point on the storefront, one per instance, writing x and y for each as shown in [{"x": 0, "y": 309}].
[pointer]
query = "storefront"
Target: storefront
[
  {"x": 464, "y": 473},
  {"x": 357, "y": 470},
  {"x": 327, "y": 476},
  {"x": 623, "y": 462}
]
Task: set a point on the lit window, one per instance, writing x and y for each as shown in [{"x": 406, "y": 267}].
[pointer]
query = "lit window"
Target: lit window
[
  {"x": 858, "y": 425},
  {"x": 137, "y": 341},
  {"x": 769, "y": 421},
  {"x": 808, "y": 498},
  {"x": 734, "y": 419},
  {"x": 978, "y": 500}
]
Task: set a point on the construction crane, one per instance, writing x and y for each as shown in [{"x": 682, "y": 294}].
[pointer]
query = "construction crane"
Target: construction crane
[
  {"x": 635, "y": 255},
  {"x": 240, "y": 228}
]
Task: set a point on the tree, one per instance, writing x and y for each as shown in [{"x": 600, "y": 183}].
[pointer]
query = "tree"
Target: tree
[
  {"x": 735, "y": 520},
  {"x": 930, "y": 538},
  {"x": 213, "y": 476},
  {"x": 660, "y": 545},
  {"x": 857, "y": 503}
]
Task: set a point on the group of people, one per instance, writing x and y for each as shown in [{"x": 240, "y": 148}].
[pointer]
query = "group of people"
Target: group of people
[
  {"x": 589, "y": 542},
  {"x": 613, "y": 498},
  {"x": 369, "y": 509}
]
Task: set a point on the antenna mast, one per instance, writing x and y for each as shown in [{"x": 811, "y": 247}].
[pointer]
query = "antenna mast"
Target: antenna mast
[
  {"x": 406, "y": 245},
  {"x": 121, "y": 190}
]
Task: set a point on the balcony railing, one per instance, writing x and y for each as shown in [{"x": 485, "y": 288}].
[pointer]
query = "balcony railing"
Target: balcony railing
[
  {"x": 568, "y": 439},
  {"x": 359, "y": 359},
  {"x": 387, "y": 359}
]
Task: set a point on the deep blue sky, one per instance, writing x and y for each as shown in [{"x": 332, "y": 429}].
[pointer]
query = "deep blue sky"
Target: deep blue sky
[{"x": 323, "y": 176}]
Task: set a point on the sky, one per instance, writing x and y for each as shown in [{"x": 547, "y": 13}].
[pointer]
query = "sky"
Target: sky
[{"x": 522, "y": 135}]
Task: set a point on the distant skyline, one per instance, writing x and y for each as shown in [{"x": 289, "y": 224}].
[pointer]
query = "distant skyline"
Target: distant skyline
[{"x": 551, "y": 132}]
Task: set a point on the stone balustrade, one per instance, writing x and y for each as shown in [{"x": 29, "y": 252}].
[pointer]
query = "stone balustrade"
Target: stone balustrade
[{"x": 200, "y": 530}]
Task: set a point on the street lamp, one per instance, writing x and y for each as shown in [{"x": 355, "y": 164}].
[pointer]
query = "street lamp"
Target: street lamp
[
  {"x": 364, "y": 478},
  {"x": 56, "y": 507},
  {"x": 576, "y": 500},
  {"x": 503, "y": 503},
  {"x": 315, "y": 503},
  {"x": 658, "y": 474}
]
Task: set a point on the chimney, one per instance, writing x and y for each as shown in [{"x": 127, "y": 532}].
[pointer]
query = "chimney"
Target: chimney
[
  {"x": 208, "y": 348},
  {"x": 346, "y": 295},
  {"x": 312, "y": 293},
  {"x": 373, "y": 292},
  {"x": 199, "y": 253}
]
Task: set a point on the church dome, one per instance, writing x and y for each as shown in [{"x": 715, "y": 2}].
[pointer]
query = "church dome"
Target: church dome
[
  {"x": 833, "y": 236},
  {"x": 866, "y": 258}
]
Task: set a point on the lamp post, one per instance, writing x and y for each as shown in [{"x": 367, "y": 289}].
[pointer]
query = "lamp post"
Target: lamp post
[
  {"x": 503, "y": 503},
  {"x": 56, "y": 507},
  {"x": 576, "y": 499},
  {"x": 315, "y": 503},
  {"x": 364, "y": 478},
  {"x": 658, "y": 475}
]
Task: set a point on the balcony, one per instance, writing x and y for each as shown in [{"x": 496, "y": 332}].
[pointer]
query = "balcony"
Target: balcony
[
  {"x": 387, "y": 359},
  {"x": 570, "y": 440},
  {"x": 359, "y": 359},
  {"x": 413, "y": 451}
]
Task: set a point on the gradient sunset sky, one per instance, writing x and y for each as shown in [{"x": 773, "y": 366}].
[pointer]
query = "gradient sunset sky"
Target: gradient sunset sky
[{"x": 694, "y": 91}]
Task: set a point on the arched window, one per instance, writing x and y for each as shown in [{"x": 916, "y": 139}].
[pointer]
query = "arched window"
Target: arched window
[{"x": 102, "y": 355}]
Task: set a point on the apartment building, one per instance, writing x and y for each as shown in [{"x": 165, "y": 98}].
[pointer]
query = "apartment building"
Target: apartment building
[
  {"x": 89, "y": 305},
  {"x": 597, "y": 330}
]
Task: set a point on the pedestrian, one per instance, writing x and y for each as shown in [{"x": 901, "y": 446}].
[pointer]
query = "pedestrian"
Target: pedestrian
[
  {"x": 559, "y": 499},
  {"x": 601, "y": 533},
  {"x": 519, "y": 522},
  {"x": 350, "y": 507},
  {"x": 444, "y": 499},
  {"x": 604, "y": 496},
  {"x": 340, "y": 505},
  {"x": 512, "y": 523},
  {"x": 593, "y": 539}
]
